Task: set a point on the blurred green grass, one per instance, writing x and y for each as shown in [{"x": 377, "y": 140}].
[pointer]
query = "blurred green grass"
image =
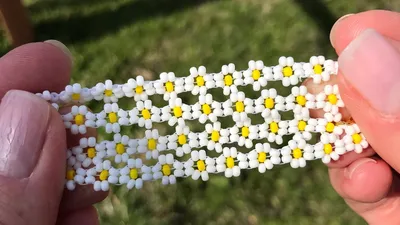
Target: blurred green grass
[{"x": 120, "y": 39}]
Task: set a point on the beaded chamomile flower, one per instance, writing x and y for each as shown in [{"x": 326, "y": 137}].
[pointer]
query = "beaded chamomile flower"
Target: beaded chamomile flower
[{"x": 203, "y": 141}]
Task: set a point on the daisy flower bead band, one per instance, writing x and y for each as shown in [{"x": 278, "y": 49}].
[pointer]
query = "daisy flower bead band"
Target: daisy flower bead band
[{"x": 254, "y": 139}]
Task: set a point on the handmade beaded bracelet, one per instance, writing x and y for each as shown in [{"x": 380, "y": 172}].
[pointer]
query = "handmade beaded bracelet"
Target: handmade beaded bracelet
[{"x": 215, "y": 148}]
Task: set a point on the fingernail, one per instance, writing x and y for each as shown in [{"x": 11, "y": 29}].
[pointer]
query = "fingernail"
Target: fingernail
[
  {"x": 61, "y": 46},
  {"x": 353, "y": 169},
  {"x": 23, "y": 128},
  {"x": 371, "y": 65},
  {"x": 335, "y": 25}
]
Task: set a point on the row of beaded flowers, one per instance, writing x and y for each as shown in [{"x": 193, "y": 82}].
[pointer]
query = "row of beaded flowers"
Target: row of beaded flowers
[{"x": 120, "y": 161}]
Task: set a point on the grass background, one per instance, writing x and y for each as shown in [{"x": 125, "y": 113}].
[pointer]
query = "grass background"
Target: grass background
[{"x": 119, "y": 39}]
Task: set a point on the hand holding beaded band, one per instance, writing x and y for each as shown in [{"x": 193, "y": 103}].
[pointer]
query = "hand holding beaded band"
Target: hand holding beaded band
[{"x": 186, "y": 153}]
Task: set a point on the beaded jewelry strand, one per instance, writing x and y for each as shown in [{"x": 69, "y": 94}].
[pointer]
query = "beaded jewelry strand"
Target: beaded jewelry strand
[{"x": 186, "y": 153}]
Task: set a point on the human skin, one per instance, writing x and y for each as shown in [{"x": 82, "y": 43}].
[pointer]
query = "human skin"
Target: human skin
[
  {"x": 33, "y": 142},
  {"x": 368, "y": 45}
]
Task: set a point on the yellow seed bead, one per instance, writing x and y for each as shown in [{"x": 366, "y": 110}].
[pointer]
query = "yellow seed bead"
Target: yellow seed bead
[
  {"x": 146, "y": 114},
  {"x": 332, "y": 98},
  {"x": 200, "y": 81},
  {"x": 103, "y": 175},
  {"x": 112, "y": 117},
  {"x": 287, "y": 71},
  {"x": 201, "y": 166},
  {"x": 256, "y": 74},
  {"x": 330, "y": 127},
  {"x": 169, "y": 86},
  {"x": 133, "y": 174},
  {"x": 302, "y": 125},
  {"x": 262, "y": 156},
  {"x": 139, "y": 89},
  {"x": 228, "y": 80},
  {"x": 70, "y": 174},
  {"x": 328, "y": 148},
  {"x": 269, "y": 103},
  {"x": 239, "y": 106},
  {"x": 76, "y": 96},
  {"x": 177, "y": 111},
  {"x": 318, "y": 69},
  {"x": 245, "y": 132},
  {"x": 108, "y": 93},
  {"x": 151, "y": 144},
  {"x": 182, "y": 139},
  {"x": 230, "y": 163},
  {"x": 301, "y": 100},
  {"x": 215, "y": 136},
  {"x": 166, "y": 170},
  {"x": 91, "y": 152},
  {"x": 356, "y": 138},
  {"x": 79, "y": 119},
  {"x": 273, "y": 126},
  {"x": 206, "y": 109},
  {"x": 297, "y": 154},
  {"x": 120, "y": 148}
]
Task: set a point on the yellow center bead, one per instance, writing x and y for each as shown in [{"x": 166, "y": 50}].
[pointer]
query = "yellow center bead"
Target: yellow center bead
[
  {"x": 297, "y": 154},
  {"x": 112, "y": 117},
  {"x": 139, "y": 89},
  {"x": 269, "y": 103},
  {"x": 330, "y": 127},
  {"x": 201, "y": 166},
  {"x": 328, "y": 149},
  {"x": 302, "y": 125},
  {"x": 200, "y": 81},
  {"x": 182, "y": 139},
  {"x": 151, "y": 144},
  {"x": 206, "y": 109},
  {"x": 240, "y": 106},
  {"x": 228, "y": 80},
  {"x": 301, "y": 100},
  {"x": 120, "y": 148},
  {"x": 79, "y": 119},
  {"x": 215, "y": 136},
  {"x": 245, "y": 132},
  {"x": 177, "y": 111},
  {"x": 287, "y": 71},
  {"x": 274, "y": 127},
  {"x": 318, "y": 69},
  {"x": 70, "y": 174},
  {"x": 256, "y": 74},
  {"x": 76, "y": 96},
  {"x": 146, "y": 114},
  {"x": 103, "y": 175},
  {"x": 133, "y": 174},
  {"x": 332, "y": 98},
  {"x": 262, "y": 156},
  {"x": 356, "y": 138},
  {"x": 91, "y": 152},
  {"x": 108, "y": 93},
  {"x": 230, "y": 163},
  {"x": 169, "y": 86},
  {"x": 166, "y": 170}
]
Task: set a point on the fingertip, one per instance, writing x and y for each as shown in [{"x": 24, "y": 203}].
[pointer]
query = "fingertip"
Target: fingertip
[
  {"x": 35, "y": 67},
  {"x": 363, "y": 181}
]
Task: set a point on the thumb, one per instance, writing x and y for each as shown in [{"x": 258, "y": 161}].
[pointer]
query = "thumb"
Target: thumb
[
  {"x": 32, "y": 160},
  {"x": 369, "y": 83}
]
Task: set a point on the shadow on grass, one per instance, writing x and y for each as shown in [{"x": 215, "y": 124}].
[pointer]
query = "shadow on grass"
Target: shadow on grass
[
  {"x": 83, "y": 28},
  {"x": 322, "y": 16}
]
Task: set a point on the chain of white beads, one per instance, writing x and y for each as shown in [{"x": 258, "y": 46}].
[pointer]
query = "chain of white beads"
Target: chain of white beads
[{"x": 125, "y": 161}]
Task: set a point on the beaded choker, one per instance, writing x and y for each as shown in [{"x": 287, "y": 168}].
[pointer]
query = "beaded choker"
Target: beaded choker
[{"x": 269, "y": 130}]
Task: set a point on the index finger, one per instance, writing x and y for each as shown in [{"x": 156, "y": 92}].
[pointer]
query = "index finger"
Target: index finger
[{"x": 35, "y": 67}]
